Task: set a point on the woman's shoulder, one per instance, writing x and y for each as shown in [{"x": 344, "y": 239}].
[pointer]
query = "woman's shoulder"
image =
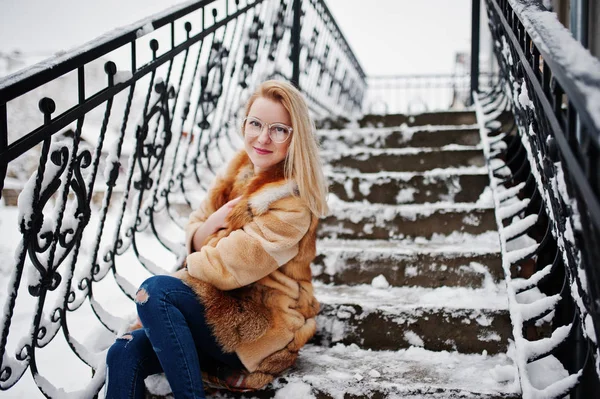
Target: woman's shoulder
[{"x": 283, "y": 192}]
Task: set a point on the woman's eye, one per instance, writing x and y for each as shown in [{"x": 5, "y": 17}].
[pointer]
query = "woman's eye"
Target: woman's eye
[
  {"x": 280, "y": 129},
  {"x": 255, "y": 123}
]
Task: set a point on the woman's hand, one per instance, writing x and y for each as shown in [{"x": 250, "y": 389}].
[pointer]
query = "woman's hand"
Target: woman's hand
[
  {"x": 213, "y": 223},
  {"x": 217, "y": 219}
]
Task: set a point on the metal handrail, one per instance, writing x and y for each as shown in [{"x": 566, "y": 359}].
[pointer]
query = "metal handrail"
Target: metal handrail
[
  {"x": 184, "y": 102},
  {"x": 557, "y": 125}
]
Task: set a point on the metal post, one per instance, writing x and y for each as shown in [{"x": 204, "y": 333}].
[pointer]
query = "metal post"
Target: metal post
[
  {"x": 475, "y": 11},
  {"x": 296, "y": 43},
  {"x": 3, "y": 144}
]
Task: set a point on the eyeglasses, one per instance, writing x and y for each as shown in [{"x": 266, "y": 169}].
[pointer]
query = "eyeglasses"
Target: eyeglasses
[{"x": 278, "y": 132}]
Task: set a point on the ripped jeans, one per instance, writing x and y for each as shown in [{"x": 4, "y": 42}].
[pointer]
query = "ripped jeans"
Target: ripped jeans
[{"x": 175, "y": 339}]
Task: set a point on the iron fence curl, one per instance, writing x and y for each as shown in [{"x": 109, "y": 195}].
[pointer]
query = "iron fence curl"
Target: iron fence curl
[
  {"x": 550, "y": 159},
  {"x": 133, "y": 126}
]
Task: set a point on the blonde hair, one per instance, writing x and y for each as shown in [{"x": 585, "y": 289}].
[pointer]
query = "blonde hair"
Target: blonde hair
[{"x": 302, "y": 163}]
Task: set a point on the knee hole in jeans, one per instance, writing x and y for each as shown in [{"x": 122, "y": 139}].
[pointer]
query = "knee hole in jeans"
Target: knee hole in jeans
[{"x": 141, "y": 297}]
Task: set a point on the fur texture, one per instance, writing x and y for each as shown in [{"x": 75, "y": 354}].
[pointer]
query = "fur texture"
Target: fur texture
[{"x": 254, "y": 277}]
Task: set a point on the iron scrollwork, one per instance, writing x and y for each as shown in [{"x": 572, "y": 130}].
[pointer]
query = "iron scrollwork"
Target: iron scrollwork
[{"x": 152, "y": 166}]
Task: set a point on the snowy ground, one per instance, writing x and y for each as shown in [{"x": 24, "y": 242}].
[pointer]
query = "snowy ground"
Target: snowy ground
[
  {"x": 83, "y": 324},
  {"x": 32, "y": 27}
]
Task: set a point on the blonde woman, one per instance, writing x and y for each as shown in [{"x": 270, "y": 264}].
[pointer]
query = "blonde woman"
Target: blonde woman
[{"x": 244, "y": 306}]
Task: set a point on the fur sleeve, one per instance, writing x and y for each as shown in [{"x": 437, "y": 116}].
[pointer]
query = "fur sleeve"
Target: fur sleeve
[
  {"x": 248, "y": 254},
  {"x": 196, "y": 219},
  {"x": 218, "y": 194}
]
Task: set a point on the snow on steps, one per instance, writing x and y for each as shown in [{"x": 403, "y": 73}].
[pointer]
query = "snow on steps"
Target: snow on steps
[
  {"x": 396, "y": 120},
  {"x": 399, "y": 137},
  {"x": 399, "y": 188},
  {"x": 403, "y": 159},
  {"x": 402, "y": 266},
  {"x": 375, "y": 221},
  {"x": 433, "y": 118},
  {"x": 446, "y": 318},
  {"x": 414, "y": 373},
  {"x": 412, "y": 301}
]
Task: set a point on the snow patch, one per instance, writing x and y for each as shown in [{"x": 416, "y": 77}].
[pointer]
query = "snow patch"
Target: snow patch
[
  {"x": 295, "y": 390},
  {"x": 413, "y": 339},
  {"x": 380, "y": 282},
  {"x": 144, "y": 30}
]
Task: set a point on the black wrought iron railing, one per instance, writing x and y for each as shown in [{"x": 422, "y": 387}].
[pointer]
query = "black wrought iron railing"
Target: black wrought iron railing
[
  {"x": 547, "y": 196},
  {"x": 120, "y": 138}
]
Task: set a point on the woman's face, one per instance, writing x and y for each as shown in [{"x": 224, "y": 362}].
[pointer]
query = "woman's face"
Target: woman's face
[{"x": 262, "y": 150}]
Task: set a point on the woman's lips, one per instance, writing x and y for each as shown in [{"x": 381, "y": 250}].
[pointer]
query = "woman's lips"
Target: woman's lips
[{"x": 261, "y": 151}]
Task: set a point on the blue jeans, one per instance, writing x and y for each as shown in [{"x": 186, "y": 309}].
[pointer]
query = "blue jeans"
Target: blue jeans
[{"x": 175, "y": 339}]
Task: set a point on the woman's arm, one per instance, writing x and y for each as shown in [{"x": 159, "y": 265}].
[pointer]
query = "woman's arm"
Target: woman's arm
[
  {"x": 213, "y": 223},
  {"x": 251, "y": 253}
]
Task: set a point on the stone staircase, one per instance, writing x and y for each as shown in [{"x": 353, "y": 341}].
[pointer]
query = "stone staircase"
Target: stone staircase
[{"x": 408, "y": 271}]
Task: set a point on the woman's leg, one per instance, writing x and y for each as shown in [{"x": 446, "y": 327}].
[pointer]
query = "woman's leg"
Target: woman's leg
[
  {"x": 129, "y": 361},
  {"x": 173, "y": 320}
]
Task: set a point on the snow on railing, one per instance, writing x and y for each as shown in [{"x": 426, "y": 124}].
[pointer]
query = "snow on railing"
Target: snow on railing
[
  {"x": 540, "y": 134},
  {"x": 135, "y": 124},
  {"x": 537, "y": 308}
]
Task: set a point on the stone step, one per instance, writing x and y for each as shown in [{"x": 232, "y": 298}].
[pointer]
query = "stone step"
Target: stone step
[
  {"x": 404, "y": 159},
  {"x": 400, "y": 137},
  {"x": 428, "y": 118},
  {"x": 405, "y": 266},
  {"x": 460, "y": 319},
  {"x": 350, "y": 220},
  {"x": 387, "y": 188},
  {"x": 415, "y": 373}
]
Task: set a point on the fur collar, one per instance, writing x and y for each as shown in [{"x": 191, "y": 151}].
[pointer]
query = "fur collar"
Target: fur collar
[{"x": 258, "y": 191}]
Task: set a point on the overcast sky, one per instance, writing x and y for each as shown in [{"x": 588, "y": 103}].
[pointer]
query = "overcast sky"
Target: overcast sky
[
  {"x": 405, "y": 36},
  {"x": 388, "y": 36}
]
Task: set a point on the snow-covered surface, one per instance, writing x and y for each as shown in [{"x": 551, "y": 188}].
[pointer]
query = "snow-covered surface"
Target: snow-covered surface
[
  {"x": 558, "y": 46},
  {"x": 414, "y": 372},
  {"x": 545, "y": 378},
  {"x": 364, "y": 153},
  {"x": 397, "y": 300},
  {"x": 351, "y": 137},
  {"x": 356, "y": 210},
  {"x": 425, "y": 369},
  {"x": 431, "y": 174},
  {"x": 487, "y": 241},
  {"x": 456, "y": 243}
]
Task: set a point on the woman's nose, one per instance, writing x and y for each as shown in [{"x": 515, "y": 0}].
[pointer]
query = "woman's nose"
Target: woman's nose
[{"x": 264, "y": 137}]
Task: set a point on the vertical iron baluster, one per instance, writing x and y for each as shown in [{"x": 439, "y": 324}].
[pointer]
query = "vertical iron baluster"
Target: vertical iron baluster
[
  {"x": 203, "y": 86},
  {"x": 547, "y": 78},
  {"x": 221, "y": 114},
  {"x": 558, "y": 102},
  {"x": 227, "y": 101},
  {"x": 3, "y": 144},
  {"x": 51, "y": 279},
  {"x": 84, "y": 161},
  {"x": 475, "y": 15},
  {"x": 571, "y": 128},
  {"x": 205, "y": 93},
  {"x": 133, "y": 57},
  {"x": 536, "y": 63},
  {"x": 295, "y": 41},
  {"x": 29, "y": 230},
  {"x": 217, "y": 81},
  {"x": 186, "y": 156},
  {"x": 171, "y": 183},
  {"x": 86, "y": 282}
]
